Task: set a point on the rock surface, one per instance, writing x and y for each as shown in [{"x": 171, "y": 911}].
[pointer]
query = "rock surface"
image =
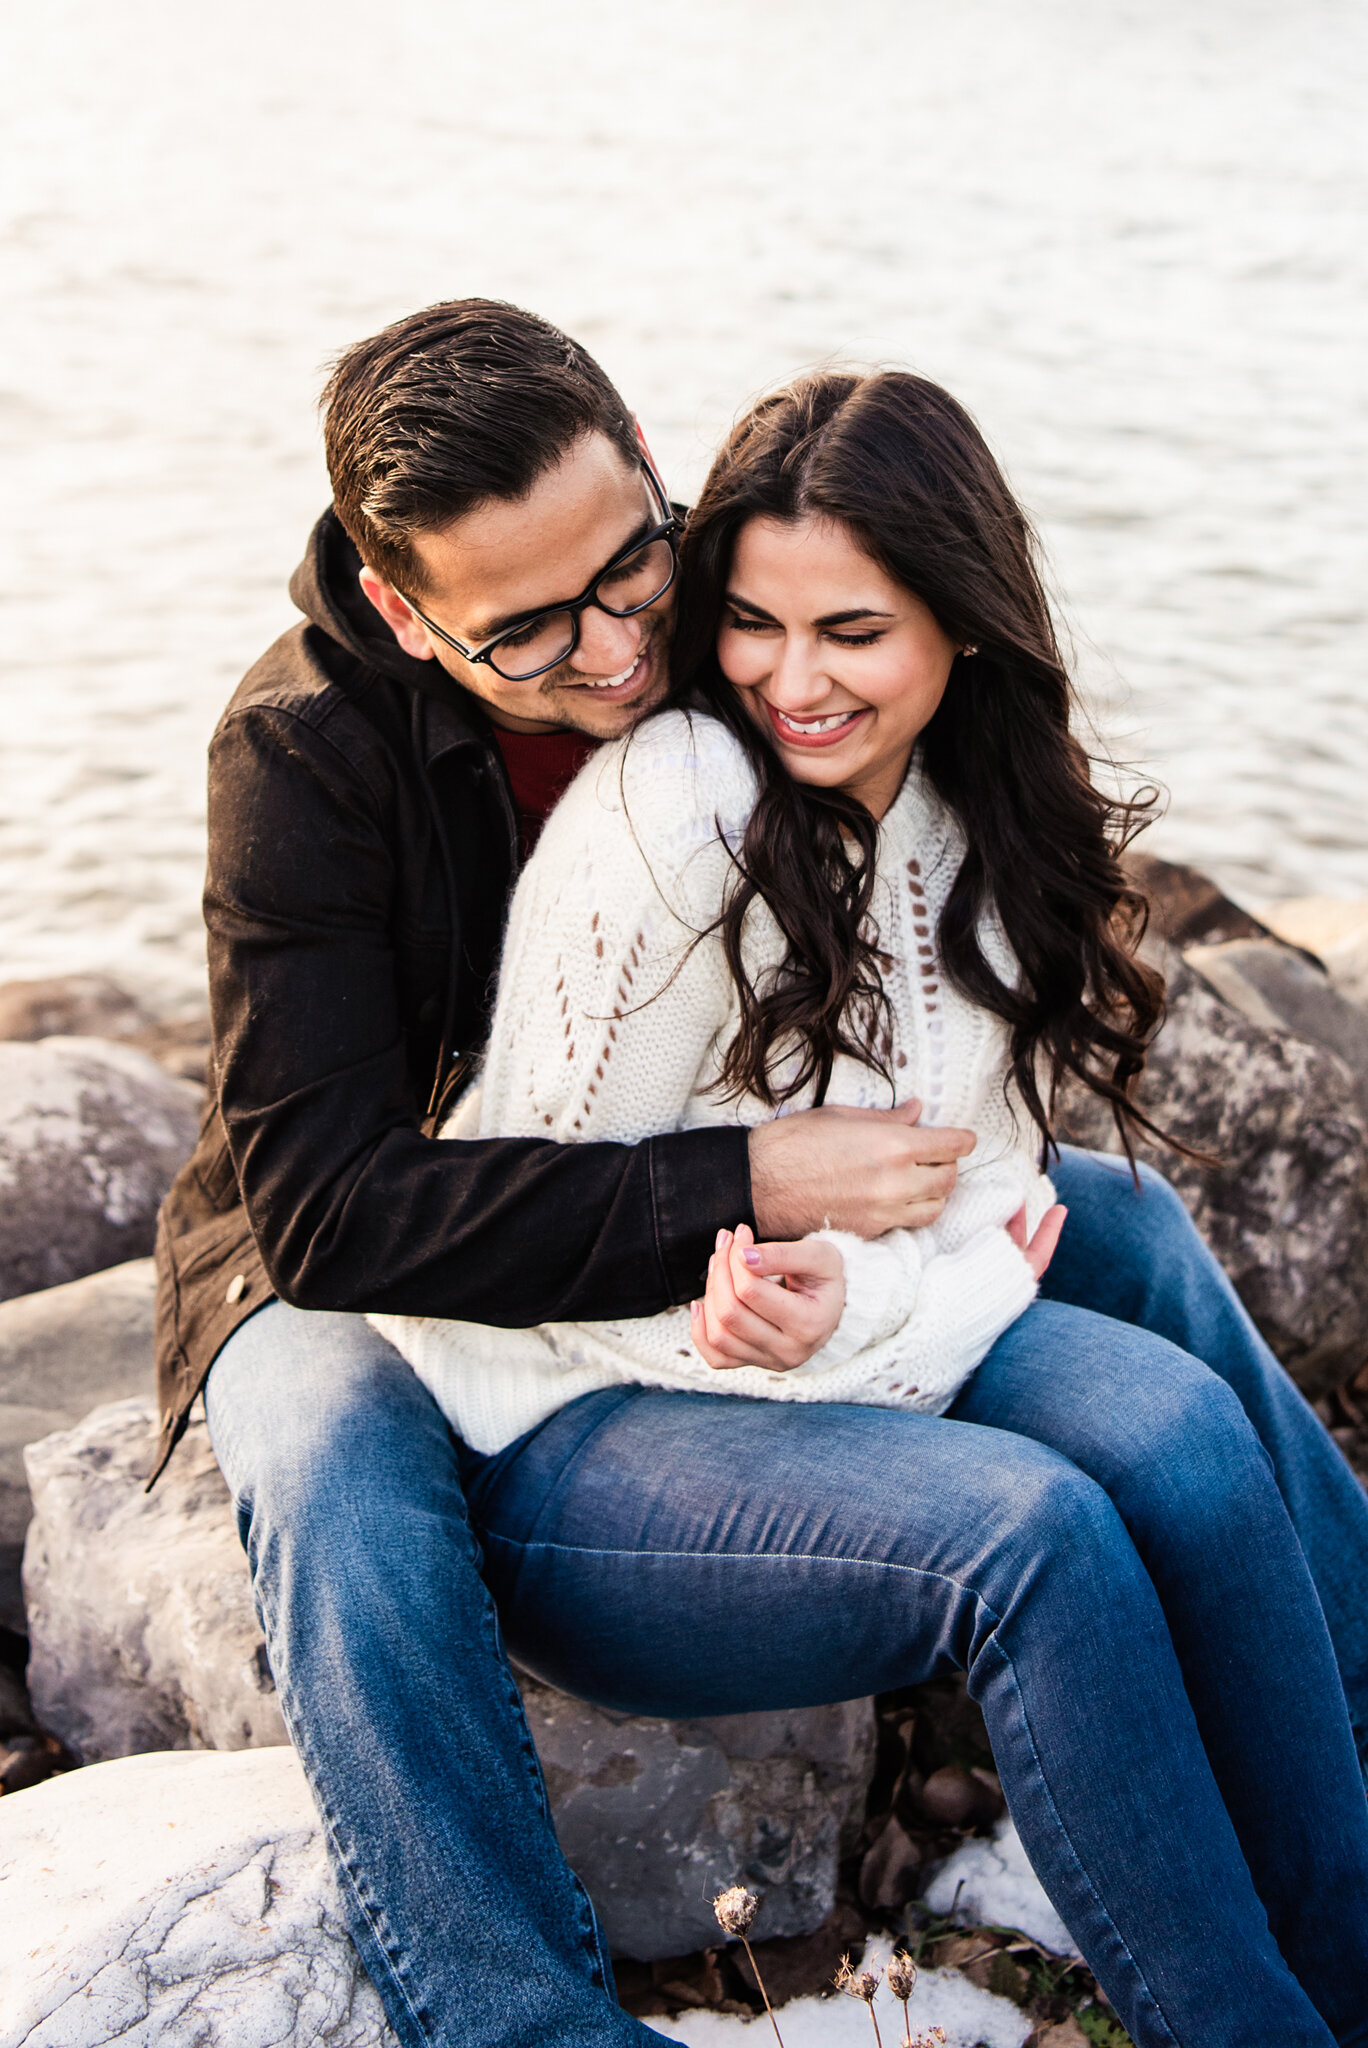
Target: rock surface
[
  {"x": 63, "y": 1351},
  {"x": 1286, "y": 1208},
  {"x": 96, "y": 1006},
  {"x": 173, "y": 1899},
  {"x": 91, "y": 1135},
  {"x": 659, "y": 1816},
  {"x": 1280, "y": 988},
  {"x": 141, "y": 1627},
  {"x": 70, "y": 1005},
  {"x": 144, "y": 1637}
]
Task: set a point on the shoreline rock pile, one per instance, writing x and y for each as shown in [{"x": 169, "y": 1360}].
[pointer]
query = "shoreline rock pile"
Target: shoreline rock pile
[{"x": 145, "y": 1651}]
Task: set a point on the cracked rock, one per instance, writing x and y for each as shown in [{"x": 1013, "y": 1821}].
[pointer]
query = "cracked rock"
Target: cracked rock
[
  {"x": 1285, "y": 1209},
  {"x": 171, "y": 1899},
  {"x": 91, "y": 1136},
  {"x": 141, "y": 1627},
  {"x": 144, "y": 1637},
  {"x": 63, "y": 1351}
]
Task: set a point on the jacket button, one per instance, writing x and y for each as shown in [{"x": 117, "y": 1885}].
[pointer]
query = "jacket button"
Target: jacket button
[{"x": 237, "y": 1287}]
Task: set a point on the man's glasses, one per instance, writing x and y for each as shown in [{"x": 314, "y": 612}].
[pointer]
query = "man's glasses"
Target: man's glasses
[{"x": 635, "y": 578}]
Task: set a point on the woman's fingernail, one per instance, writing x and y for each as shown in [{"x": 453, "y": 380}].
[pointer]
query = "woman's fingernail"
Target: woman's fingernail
[
  {"x": 751, "y": 1256},
  {"x": 693, "y": 1308},
  {"x": 720, "y": 1240}
]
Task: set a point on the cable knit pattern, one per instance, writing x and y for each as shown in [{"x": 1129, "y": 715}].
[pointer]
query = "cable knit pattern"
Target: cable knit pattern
[{"x": 612, "y": 1017}]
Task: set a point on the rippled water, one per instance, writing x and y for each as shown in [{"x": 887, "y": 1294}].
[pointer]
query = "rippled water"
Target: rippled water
[{"x": 1131, "y": 237}]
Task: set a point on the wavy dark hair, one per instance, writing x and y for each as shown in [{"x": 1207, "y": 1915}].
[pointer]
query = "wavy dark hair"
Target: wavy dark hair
[{"x": 903, "y": 467}]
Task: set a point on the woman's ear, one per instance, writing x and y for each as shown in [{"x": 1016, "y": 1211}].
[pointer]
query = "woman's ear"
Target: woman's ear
[{"x": 410, "y": 632}]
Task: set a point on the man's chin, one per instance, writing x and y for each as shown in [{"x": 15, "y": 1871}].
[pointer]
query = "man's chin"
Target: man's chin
[{"x": 577, "y": 711}]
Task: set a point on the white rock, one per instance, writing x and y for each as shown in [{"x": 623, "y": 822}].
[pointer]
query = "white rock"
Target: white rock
[
  {"x": 91, "y": 1136},
  {"x": 172, "y": 1900},
  {"x": 63, "y": 1351},
  {"x": 144, "y": 1636},
  {"x": 991, "y": 1884},
  {"x": 142, "y": 1630}
]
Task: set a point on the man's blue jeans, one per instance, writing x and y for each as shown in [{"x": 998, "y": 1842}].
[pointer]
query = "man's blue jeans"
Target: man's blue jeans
[{"x": 1120, "y": 1532}]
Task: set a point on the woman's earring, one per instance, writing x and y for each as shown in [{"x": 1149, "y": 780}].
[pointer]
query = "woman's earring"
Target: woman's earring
[{"x": 967, "y": 651}]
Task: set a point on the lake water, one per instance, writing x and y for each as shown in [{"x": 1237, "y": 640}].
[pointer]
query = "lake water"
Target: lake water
[{"x": 1130, "y": 236}]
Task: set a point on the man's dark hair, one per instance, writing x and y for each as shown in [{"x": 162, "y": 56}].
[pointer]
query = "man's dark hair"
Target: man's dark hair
[{"x": 466, "y": 401}]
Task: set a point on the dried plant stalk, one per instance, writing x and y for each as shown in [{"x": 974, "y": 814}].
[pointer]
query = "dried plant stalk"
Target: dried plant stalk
[
  {"x": 860, "y": 1984},
  {"x": 735, "y": 1910}
]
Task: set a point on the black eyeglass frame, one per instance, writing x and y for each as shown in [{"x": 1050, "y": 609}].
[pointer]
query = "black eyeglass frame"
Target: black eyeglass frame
[{"x": 669, "y": 529}]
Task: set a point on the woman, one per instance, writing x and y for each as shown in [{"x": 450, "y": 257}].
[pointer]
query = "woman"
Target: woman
[{"x": 860, "y": 859}]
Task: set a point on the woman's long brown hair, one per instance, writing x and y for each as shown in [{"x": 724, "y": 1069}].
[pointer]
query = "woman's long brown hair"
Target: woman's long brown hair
[{"x": 899, "y": 463}]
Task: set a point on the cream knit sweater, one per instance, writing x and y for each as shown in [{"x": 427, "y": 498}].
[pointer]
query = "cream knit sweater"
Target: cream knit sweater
[{"x": 610, "y": 1023}]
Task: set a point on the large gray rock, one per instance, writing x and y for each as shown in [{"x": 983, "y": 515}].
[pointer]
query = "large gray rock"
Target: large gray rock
[
  {"x": 659, "y": 1816},
  {"x": 144, "y": 1637},
  {"x": 96, "y": 1006},
  {"x": 141, "y": 1628},
  {"x": 1282, "y": 989},
  {"x": 70, "y": 1005},
  {"x": 1286, "y": 1208},
  {"x": 174, "y": 1899},
  {"x": 91, "y": 1136},
  {"x": 63, "y": 1352}
]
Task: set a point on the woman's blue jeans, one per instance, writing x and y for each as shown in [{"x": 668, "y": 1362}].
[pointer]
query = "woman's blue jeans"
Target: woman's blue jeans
[{"x": 1130, "y": 1531}]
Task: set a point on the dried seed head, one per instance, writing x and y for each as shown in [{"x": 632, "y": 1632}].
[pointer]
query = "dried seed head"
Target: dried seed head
[
  {"x": 902, "y": 1975},
  {"x": 859, "y": 1983},
  {"x": 934, "y": 2037},
  {"x": 735, "y": 1909}
]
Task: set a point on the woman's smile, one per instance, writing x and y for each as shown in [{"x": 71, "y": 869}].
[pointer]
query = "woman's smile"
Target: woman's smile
[{"x": 828, "y": 729}]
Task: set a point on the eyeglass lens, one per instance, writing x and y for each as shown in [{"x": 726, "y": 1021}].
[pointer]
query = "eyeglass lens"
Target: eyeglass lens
[{"x": 626, "y": 588}]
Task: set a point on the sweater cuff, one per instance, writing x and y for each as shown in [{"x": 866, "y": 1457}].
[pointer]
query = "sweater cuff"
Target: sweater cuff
[
  {"x": 882, "y": 1275},
  {"x": 700, "y": 1184},
  {"x": 984, "y": 1287}
]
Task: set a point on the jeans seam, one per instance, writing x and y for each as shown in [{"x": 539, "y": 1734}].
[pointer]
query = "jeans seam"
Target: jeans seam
[{"x": 303, "y": 1750}]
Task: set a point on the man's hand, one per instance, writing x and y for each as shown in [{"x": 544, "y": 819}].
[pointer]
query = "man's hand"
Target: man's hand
[
  {"x": 1041, "y": 1249},
  {"x": 747, "y": 1317},
  {"x": 862, "y": 1170}
]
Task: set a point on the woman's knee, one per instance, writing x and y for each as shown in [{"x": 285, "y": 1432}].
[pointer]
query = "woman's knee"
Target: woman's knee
[{"x": 1184, "y": 1443}]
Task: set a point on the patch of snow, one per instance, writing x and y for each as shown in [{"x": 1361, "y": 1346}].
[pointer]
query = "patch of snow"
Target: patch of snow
[
  {"x": 971, "y": 2018},
  {"x": 992, "y": 1884}
]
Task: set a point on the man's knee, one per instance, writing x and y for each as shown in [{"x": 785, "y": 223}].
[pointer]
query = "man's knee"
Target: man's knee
[{"x": 313, "y": 1416}]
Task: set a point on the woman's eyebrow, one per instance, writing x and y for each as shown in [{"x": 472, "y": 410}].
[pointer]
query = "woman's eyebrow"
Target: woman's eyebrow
[{"x": 743, "y": 604}]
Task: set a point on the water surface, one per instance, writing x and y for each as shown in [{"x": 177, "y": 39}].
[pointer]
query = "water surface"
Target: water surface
[{"x": 1131, "y": 238}]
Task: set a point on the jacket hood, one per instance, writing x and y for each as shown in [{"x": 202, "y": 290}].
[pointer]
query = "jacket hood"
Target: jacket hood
[{"x": 325, "y": 587}]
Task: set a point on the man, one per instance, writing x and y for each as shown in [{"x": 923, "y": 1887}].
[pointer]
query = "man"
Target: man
[{"x": 488, "y": 598}]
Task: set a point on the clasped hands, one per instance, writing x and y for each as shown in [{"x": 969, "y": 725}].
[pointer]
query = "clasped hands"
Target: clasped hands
[{"x": 775, "y": 1303}]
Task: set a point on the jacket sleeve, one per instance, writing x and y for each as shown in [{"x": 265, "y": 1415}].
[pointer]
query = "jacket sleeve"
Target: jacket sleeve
[{"x": 352, "y": 1207}]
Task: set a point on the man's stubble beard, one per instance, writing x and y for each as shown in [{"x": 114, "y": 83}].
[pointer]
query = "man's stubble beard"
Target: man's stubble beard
[{"x": 565, "y": 698}]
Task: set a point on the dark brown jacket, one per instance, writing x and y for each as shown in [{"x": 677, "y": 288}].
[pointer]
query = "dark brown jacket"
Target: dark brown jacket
[{"x": 362, "y": 845}]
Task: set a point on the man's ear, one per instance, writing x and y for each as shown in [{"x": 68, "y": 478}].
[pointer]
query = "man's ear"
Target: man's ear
[{"x": 411, "y": 633}]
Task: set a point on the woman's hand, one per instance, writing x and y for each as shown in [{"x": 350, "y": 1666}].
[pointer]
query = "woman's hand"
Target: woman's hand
[
  {"x": 749, "y": 1318},
  {"x": 1041, "y": 1249}
]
